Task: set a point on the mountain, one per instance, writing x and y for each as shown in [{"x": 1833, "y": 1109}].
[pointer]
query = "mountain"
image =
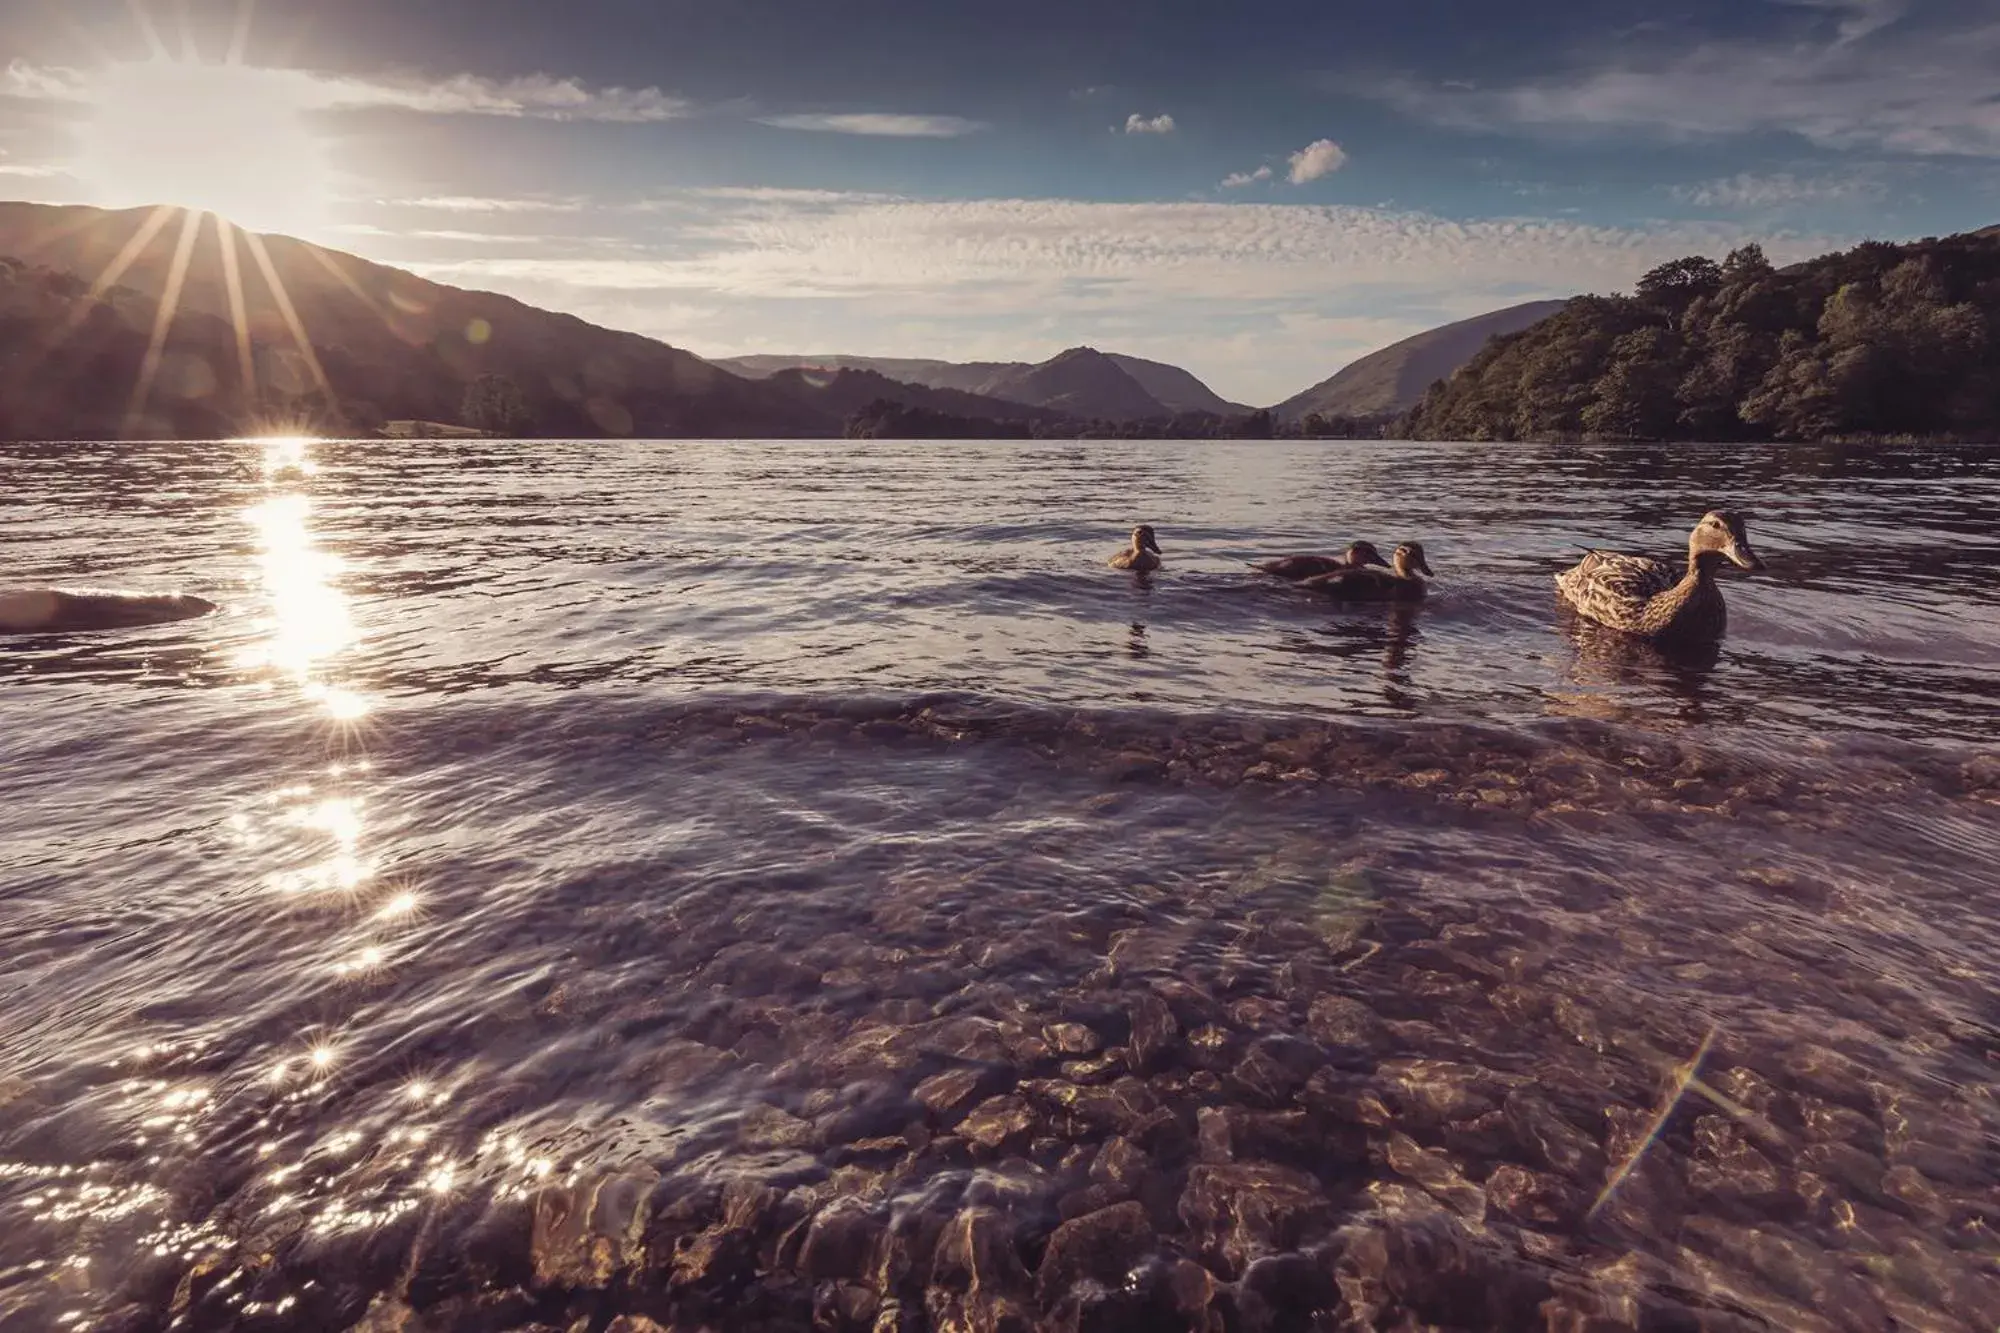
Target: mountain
[
  {"x": 1093, "y": 386},
  {"x": 845, "y": 392},
  {"x": 1175, "y": 389},
  {"x": 1391, "y": 381},
  {"x": 1878, "y": 341},
  {"x": 335, "y": 342},
  {"x": 1082, "y": 382},
  {"x": 964, "y": 376},
  {"x": 61, "y": 347}
]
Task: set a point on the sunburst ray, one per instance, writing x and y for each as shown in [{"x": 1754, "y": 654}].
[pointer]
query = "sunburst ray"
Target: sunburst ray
[
  {"x": 1685, "y": 1076},
  {"x": 150, "y": 31},
  {"x": 290, "y": 315},
  {"x": 163, "y": 320},
  {"x": 239, "y": 39},
  {"x": 346, "y": 279},
  {"x": 115, "y": 270},
  {"x": 239, "y": 316},
  {"x": 190, "y": 53}
]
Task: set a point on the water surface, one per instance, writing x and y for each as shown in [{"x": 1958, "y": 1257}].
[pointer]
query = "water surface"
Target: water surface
[{"x": 756, "y": 883}]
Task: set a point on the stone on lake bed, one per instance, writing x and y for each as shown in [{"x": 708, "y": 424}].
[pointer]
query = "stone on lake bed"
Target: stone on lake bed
[
  {"x": 998, "y": 1122},
  {"x": 1102, "y": 1246},
  {"x": 1072, "y": 1038},
  {"x": 1239, "y": 1212}
]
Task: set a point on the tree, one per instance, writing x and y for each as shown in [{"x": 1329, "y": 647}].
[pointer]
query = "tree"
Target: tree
[
  {"x": 1677, "y": 282},
  {"x": 1746, "y": 263},
  {"x": 1256, "y": 426},
  {"x": 495, "y": 403},
  {"x": 1634, "y": 398}
]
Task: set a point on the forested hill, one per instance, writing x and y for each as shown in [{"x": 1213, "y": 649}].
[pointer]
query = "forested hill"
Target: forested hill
[{"x": 1880, "y": 340}]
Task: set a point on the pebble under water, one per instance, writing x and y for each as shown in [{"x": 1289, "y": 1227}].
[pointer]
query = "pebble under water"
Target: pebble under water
[{"x": 585, "y": 886}]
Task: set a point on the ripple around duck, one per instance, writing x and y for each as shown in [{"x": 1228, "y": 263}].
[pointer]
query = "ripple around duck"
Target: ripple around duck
[{"x": 747, "y": 908}]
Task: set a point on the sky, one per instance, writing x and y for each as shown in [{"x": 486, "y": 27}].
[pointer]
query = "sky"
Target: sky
[{"x": 1258, "y": 191}]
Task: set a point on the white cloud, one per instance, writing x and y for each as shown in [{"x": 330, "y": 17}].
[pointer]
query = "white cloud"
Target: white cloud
[
  {"x": 1875, "y": 85},
  {"x": 1266, "y": 298},
  {"x": 1322, "y": 157},
  {"x": 454, "y": 203},
  {"x": 538, "y": 96},
  {"x": 878, "y": 124},
  {"x": 1138, "y": 124},
  {"x": 535, "y": 96},
  {"x": 28, "y": 171},
  {"x": 871, "y": 245},
  {"x": 37, "y": 84},
  {"x": 1236, "y": 180},
  {"x": 1859, "y": 17},
  {"x": 1747, "y": 190}
]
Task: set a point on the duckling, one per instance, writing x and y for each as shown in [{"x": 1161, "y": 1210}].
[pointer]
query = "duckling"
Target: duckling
[
  {"x": 1364, "y": 583},
  {"x": 1143, "y": 555},
  {"x": 1297, "y": 567},
  {"x": 1652, "y": 598}
]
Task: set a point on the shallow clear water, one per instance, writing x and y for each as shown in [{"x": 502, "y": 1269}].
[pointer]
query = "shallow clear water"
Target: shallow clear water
[{"x": 751, "y": 883}]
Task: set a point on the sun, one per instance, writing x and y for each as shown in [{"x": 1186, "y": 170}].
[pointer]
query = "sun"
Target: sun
[{"x": 228, "y": 139}]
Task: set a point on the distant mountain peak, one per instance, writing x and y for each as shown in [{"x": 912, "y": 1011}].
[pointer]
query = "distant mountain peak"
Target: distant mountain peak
[{"x": 1080, "y": 381}]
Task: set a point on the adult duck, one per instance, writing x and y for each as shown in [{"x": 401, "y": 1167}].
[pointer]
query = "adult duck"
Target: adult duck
[
  {"x": 1296, "y": 567},
  {"x": 1402, "y": 581},
  {"x": 1658, "y": 600},
  {"x": 1143, "y": 555}
]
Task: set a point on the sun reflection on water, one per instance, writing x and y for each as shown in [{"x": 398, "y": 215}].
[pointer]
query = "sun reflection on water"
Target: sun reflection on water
[{"x": 310, "y": 623}]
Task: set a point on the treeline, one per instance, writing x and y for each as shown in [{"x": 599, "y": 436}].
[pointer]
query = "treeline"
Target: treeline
[
  {"x": 1881, "y": 340},
  {"x": 888, "y": 419}
]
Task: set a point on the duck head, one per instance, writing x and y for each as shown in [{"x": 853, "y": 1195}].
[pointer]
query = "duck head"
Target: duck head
[
  {"x": 1364, "y": 553},
  {"x": 1410, "y": 560},
  {"x": 1144, "y": 540},
  {"x": 1721, "y": 535}
]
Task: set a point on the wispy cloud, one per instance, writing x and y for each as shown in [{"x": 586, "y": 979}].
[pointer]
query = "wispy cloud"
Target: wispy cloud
[
  {"x": 1221, "y": 286},
  {"x": 536, "y": 96},
  {"x": 878, "y": 124},
  {"x": 1874, "y": 84},
  {"x": 457, "y": 203},
  {"x": 871, "y": 246},
  {"x": 1322, "y": 157},
  {"x": 460, "y": 237},
  {"x": 1858, "y": 18},
  {"x": 34, "y": 83},
  {"x": 1748, "y": 190},
  {"x": 29, "y": 171},
  {"x": 1236, "y": 180},
  {"x": 1138, "y": 124}
]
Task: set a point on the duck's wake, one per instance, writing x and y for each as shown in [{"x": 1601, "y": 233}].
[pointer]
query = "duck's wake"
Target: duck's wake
[{"x": 58, "y": 611}]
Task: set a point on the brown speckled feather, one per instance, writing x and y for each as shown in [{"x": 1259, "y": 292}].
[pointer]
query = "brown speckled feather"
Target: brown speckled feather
[{"x": 1640, "y": 595}]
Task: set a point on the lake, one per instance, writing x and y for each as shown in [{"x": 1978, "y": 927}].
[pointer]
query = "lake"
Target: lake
[{"x": 790, "y": 885}]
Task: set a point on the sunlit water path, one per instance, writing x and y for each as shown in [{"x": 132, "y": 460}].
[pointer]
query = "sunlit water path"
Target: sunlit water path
[{"x": 751, "y": 884}]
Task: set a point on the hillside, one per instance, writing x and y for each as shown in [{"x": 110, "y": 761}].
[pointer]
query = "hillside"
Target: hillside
[
  {"x": 1097, "y": 387},
  {"x": 1175, "y": 389},
  {"x": 1082, "y": 382},
  {"x": 1391, "y": 381},
  {"x": 963, "y": 376},
  {"x": 1880, "y": 340},
  {"x": 845, "y": 392},
  {"x": 61, "y": 348},
  {"x": 379, "y": 344}
]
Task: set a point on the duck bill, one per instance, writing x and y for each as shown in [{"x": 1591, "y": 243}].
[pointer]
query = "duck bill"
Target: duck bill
[
  {"x": 1150, "y": 543},
  {"x": 1742, "y": 555},
  {"x": 1373, "y": 559},
  {"x": 1424, "y": 567}
]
